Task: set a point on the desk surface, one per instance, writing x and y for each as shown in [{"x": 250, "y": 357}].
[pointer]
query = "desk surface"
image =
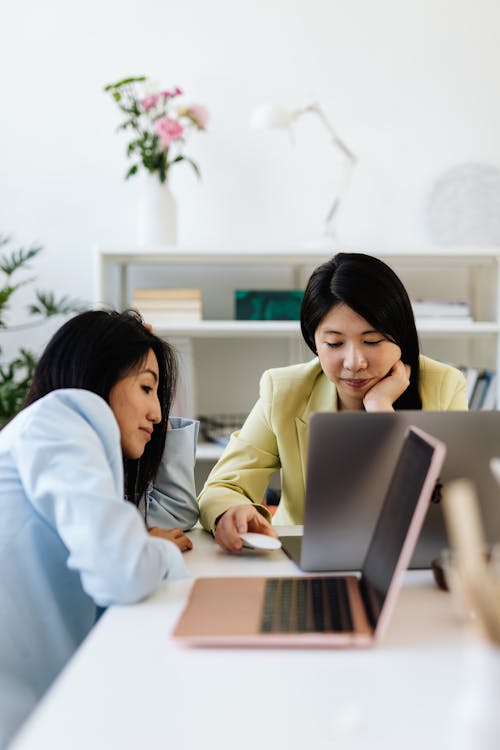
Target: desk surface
[{"x": 430, "y": 684}]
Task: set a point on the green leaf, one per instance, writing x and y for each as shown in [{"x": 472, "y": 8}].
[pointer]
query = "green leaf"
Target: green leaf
[
  {"x": 194, "y": 165},
  {"x": 18, "y": 258},
  {"x": 48, "y": 305},
  {"x": 133, "y": 170},
  {"x": 5, "y": 293},
  {"x": 15, "y": 380},
  {"x": 125, "y": 82},
  {"x": 16, "y": 375}
]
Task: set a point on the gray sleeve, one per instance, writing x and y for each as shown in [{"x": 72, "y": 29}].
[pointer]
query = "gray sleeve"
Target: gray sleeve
[{"x": 172, "y": 498}]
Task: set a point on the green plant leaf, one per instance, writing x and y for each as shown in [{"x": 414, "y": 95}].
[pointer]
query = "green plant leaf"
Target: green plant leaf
[
  {"x": 125, "y": 82},
  {"x": 15, "y": 380},
  {"x": 189, "y": 161},
  {"x": 6, "y": 292},
  {"x": 16, "y": 375},
  {"x": 18, "y": 258},
  {"x": 48, "y": 305},
  {"x": 133, "y": 170}
]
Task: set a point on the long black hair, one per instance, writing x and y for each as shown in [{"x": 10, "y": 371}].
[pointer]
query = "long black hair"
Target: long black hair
[
  {"x": 371, "y": 288},
  {"x": 93, "y": 351}
]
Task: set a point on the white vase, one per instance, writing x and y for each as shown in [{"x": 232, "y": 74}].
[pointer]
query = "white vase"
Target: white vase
[{"x": 156, "y": 213}]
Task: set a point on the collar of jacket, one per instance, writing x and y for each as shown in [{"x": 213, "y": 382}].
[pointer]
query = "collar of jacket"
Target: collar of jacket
[{"x": 323, "y": 397}]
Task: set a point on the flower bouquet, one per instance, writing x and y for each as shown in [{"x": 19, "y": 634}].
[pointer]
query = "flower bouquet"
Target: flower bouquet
[{"x": 159, "y": 124}]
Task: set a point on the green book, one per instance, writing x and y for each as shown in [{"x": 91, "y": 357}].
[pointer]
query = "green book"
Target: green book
[{"x": 268, "y": 304}]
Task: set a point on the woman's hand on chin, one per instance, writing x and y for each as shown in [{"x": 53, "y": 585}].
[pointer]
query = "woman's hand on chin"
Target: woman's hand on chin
[{"x": 384, "y": 393}]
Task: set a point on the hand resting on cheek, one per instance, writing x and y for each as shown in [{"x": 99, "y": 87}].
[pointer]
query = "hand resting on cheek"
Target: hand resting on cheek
[{"x": 383, "y": 394}]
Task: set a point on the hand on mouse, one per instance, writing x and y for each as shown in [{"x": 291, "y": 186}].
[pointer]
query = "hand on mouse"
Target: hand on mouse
[
  {"x": 238, "y": 520},
  {"x": 177, "y": 536},
  {"x": 384, "y": 393}
]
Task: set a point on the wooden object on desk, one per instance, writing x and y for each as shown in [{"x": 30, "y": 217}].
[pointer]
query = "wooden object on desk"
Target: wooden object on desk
[{"x": 479, "y": 586}]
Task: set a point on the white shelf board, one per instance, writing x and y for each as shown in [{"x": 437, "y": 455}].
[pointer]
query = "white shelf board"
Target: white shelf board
[
  {"x": 446, "y": 325},
  {"x": 229, "y": 328},
  {"x": 176, "y": 256},
  {"x": 268, "y": 254},
  {"x": 208, "y": 451},
  {"x": 277, "y": 328}
]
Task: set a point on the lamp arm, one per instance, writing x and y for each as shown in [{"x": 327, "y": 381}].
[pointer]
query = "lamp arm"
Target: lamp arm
[
  {"x": 336, "y": 138},
  {"x": 348, "y": 167}
]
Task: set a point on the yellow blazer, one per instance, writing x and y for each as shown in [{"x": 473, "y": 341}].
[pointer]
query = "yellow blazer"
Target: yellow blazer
[{"x": 275, "y": 436}]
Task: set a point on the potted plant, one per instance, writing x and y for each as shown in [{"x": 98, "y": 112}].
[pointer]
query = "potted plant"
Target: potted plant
[
  {"x": 16, "y": 374},
  {"x": 159, "y": 123}
]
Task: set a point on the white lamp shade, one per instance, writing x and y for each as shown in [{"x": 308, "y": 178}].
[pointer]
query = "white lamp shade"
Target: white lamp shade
[{"x": 271, "y": 116}]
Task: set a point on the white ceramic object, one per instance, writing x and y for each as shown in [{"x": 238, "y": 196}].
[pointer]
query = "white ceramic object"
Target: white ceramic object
[{"x": 156, "y": 213}]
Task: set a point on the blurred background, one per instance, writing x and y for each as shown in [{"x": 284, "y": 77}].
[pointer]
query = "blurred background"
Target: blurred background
[{"x": 412, "y": 87}]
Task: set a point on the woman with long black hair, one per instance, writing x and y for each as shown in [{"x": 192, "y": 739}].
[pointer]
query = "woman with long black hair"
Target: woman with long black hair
[
  {"x": 93, "y": 434},
  {"x": 357, "y": 319}
]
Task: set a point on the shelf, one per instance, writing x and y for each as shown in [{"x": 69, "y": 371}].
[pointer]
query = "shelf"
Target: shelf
[
  {"x": 304, "y": 255},
  {"x": 461, "y": 273},
  {"x": 177, "y": 256},
  {"x": 230, "y": 328},
  {"x": 278, "y": 328},
  {"x": 442, "y": 325},
  {"x": 208, "y": 451}
]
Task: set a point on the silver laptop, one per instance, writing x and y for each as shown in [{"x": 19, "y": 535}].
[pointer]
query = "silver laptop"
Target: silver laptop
[
  {"x": 351, "y": 610},
  {"x": 350, "y": 459}
]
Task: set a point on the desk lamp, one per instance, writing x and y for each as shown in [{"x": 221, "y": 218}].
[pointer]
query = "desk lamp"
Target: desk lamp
[{"x": 275, "y": 116}]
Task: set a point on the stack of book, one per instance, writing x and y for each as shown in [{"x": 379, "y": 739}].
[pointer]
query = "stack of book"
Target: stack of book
[
  {"x": 428, "y": 308},
  {"x": 164, "y": 306}
]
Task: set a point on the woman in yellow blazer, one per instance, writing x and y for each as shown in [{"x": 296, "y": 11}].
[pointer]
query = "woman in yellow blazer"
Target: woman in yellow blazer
[{"x": 356, "y": 317}]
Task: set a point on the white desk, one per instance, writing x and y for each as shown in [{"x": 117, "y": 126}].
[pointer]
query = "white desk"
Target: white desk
[{"x": 430, "y": 684}]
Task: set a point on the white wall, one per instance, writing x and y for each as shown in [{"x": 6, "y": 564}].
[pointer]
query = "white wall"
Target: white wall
[{"x": 412, "y": 86}]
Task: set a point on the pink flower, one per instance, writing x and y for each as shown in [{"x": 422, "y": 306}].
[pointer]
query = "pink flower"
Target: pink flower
[
  {"x": 197, "y": 114},
  {"x": 149, "y": 101},
  {"x": 176, "y": 91},
  {"x": 168, "y": 130}
]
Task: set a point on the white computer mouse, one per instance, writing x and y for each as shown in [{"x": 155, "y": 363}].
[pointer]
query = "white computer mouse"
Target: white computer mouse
[{"x": 252, "y": 540}]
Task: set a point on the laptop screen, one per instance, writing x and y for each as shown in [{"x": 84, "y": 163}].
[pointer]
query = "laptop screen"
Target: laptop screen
[{"x": 394, "y": 521}]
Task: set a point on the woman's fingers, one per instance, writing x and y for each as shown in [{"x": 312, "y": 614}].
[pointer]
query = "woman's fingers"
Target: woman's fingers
[
  {"x": 238, "y": 520},
  {"x": 177, "y": 536}
]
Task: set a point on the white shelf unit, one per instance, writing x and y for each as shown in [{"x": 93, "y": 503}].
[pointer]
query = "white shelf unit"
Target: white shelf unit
[{"x": 225, "y": 357}]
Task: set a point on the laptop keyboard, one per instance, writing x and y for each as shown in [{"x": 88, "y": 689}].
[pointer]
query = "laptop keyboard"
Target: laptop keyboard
[{"x": 306, "y": 605}]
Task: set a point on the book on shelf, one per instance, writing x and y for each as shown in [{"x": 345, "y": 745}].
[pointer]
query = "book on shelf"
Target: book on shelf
[
  {"x": 174, "y": 293},
  {"x": 164, "y": 306},
  {"x": 490, "y": 397},
  {"x": 268, "y": 304},
  {"x": 168, "y": 304},
  {"x": 470, "y": 374},
  {"x": 428, "y": 308},
  {"x": 484, "y": 392}
]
